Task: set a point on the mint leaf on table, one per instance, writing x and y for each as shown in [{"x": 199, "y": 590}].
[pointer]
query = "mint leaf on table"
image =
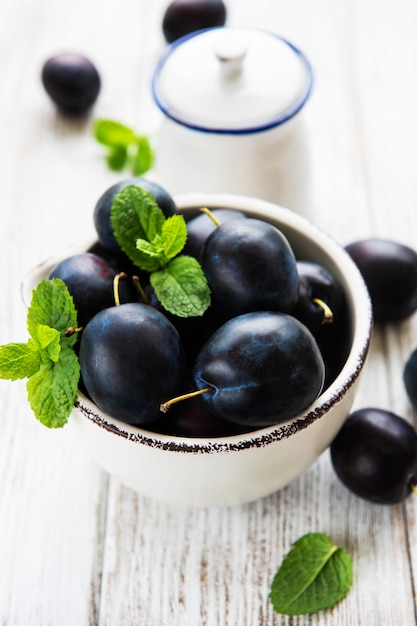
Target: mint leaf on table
[
  {"x": 112, "y": 133},
  {"x": 153, "y": 243},
  {"x": 125, "y": 148},
  {"x": 116, "y": 158},
  {"x": 47, "y": 360},
  {"x": 143, "y": 157},
  {"x": 314, "y": 575}
]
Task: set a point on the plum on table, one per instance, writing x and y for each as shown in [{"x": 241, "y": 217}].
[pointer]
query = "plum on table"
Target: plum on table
[
  {"x": 182, "y": 17},
  {"x": 410, "y": 377},
  {"x": 389, "y": 269},
  {"x": 375, "y": 455},
  {"x": 72, "y": 81}
]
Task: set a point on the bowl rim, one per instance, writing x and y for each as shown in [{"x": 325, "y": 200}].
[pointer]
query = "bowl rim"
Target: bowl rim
[{"x": 259, "y": 438}]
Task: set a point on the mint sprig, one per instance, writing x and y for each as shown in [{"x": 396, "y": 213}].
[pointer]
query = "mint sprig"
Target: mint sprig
[
  {"x": 314, "y": 575},
  {"x": 154, "y": 242},
  {"x": 125, "y": 148},
  {"x": 181, "y": 287},
  {"x": 19, "y": 360},
  {"x": 47, "y": 360}
]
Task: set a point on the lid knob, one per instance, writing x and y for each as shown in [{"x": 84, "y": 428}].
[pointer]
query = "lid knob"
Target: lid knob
[{"x": 231, "y": 52}]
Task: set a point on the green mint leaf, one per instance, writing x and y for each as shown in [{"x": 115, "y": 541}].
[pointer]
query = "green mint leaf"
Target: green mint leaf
[
  {"x": 52, "y": 390},
  {"x": 314, "y": 575},
  {"x": 169, "y": 243},
  {"x": 112, "y": 133},
  {"x": 116, "y": 158},
  {"x": 47, "y": 360},
  {"x": 53, "y": 306},
  {"x": 136, "y": 215},
  {"x": 154, "y": 249},
  {"x": 18, "y": 360},
  {"x": 144, "y": 156},
  {"x": 151, "y": 217},
  {"x": 152, "y": 242},
  {"x": 126, "y": 148},
  {"x": 182, "y": 287},
  {"x": 49, "y": 341},
  {"x": 174, "y": 235}
]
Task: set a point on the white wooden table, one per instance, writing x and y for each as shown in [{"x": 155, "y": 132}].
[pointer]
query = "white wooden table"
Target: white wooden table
[{"x": 76, "y": 547}]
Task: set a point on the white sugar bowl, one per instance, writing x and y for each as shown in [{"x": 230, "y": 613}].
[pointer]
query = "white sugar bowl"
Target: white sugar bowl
[{"x": 233, "y": 101}]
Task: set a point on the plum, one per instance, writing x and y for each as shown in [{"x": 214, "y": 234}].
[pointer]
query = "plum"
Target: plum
[
  {"x": 182, "y": 17},
  {"x": 72, "y": 82},
  {"x": 375, "y": 455}
]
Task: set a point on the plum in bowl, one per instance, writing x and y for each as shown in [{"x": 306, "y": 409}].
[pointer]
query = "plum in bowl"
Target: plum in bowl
[{"x": 235, "y": 465}]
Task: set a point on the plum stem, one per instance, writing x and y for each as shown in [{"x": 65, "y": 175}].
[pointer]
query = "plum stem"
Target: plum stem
[
  {"x": 116, "y": 282},
  {"x": 71, "y": 331},
  {"x": 164, "y": 407},
  {"x": 327, "y": 312},
  {"x": 140, "y": 289},
  {"x": 211, "y": 216}
]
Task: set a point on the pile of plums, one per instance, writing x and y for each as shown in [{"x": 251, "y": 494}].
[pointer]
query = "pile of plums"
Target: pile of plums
[
  {"x": 276, "y": 332},
  {"x": 275, "y": 335}
]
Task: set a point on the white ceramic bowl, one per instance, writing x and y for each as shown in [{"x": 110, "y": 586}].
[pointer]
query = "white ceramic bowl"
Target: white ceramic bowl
[{"x": 240, "y": 468}]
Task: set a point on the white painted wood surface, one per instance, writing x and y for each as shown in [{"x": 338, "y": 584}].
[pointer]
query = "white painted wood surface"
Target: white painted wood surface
[{"x": 76, "y": 547}]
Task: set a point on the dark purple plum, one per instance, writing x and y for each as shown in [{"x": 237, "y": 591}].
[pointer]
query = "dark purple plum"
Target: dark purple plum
[
  {"x": 389, "y": 270},
  {"x": 201, "y": 226},
  {"x": 90, "y": 279},
  {"x": 118, "y": 260},
  {"x": 375, "y": 455},
  {"x": 193, "y": 419},
  {"x": 262, "y": 368},
  {"x": 195, "y": 331},
  {"x": 72, "y": 82},
  {"x": 131, "y": 360},
  {"x": 250, "y": 266},
  {"x": 182, "y": 17},
  {"x": 410, "y": 378},
  {"x": 102, "y": 209},
  {"x": 335, "y": 345},
  {"x": 320, "y": 297}
]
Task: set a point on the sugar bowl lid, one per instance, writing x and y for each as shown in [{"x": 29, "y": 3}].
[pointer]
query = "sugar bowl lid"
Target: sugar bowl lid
[{"x": 232, "y": 80}]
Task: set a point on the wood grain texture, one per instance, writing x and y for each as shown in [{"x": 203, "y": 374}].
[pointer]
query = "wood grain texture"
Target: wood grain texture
[{"x": 77, "y": 547}]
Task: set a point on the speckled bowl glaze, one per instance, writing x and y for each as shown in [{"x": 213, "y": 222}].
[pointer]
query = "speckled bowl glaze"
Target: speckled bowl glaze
[{"x": 241, "y": 468}]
